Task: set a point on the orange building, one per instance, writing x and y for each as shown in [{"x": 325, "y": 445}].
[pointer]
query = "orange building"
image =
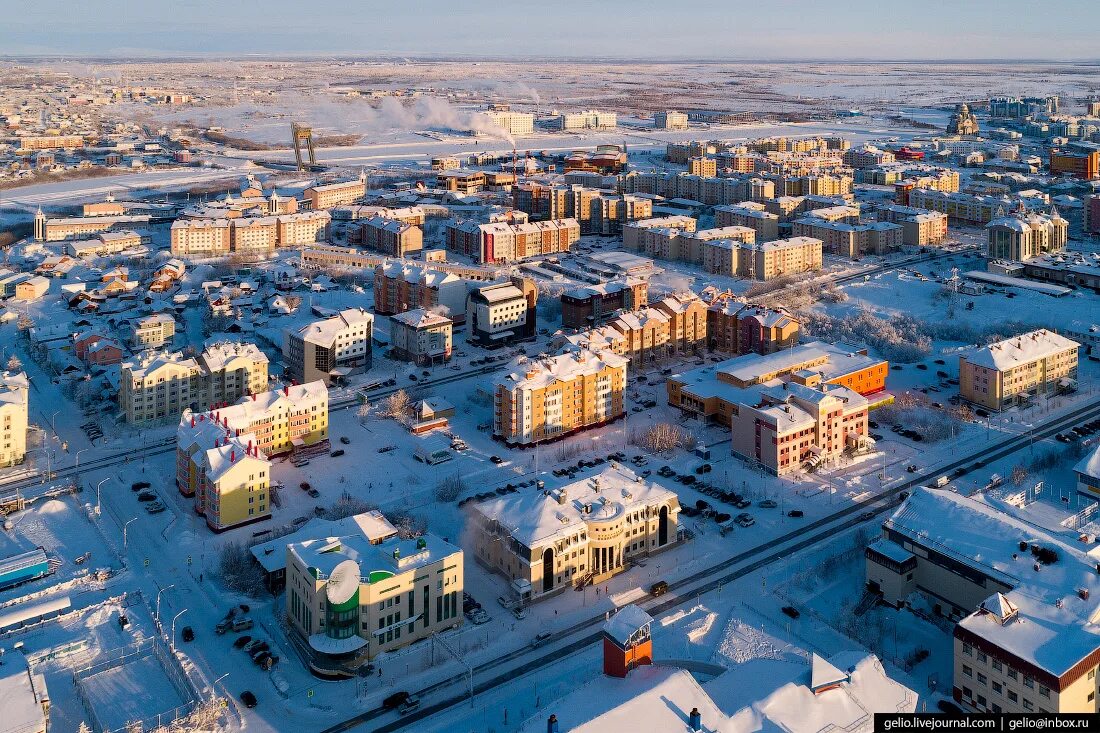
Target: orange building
[
  {"x": 627, "y": 643},
  {"x": 1084, "y": 165}
]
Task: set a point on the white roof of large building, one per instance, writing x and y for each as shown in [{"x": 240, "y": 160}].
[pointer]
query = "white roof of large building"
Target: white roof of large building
[
  {"x": 371, "y": 525},
  {"x": 536, "y": 518},
  {"x": 325, "y": 331},
  {"x": 392, "y": 556},
  {"x": 217, "y": 356},
  {"x": 21, "y": 696},
  {"x": 1019, "y": 350},
  {"x": 540, "y": 373}
]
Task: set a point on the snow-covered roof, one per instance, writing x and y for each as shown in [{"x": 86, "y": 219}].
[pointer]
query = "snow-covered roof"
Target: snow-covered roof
[
  {"x": 626, "y": 622},
  {"x": 22, "y": 694},
  {"x": 824, "y": 673},
  {"x": 1020, "y": 350},
  {"x": 561, "y": 368},
  {"x": 1090, "y": 464},
  {"x": 372, "y": 525},
  {"x": 420, "y": 318},
  {"x": 325, "y": 331},
  {"x": 389, "y": 557}
]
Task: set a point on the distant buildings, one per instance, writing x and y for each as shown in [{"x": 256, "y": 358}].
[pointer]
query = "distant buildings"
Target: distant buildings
[
  {"x": 152, "y": 331},
  {"x": 514, "y": 123},
  {"x": 400, "y": 286},
  {"x": 850, "y": 240},
  {"x": 1013, "y": 371},
  {"x": 545, "y": 542},
  {"x": 1022, "y": 236},
  {"x": 587, "y": 120},
  {"x": 590, "y": 305},
  {"x": 502, "y": 242},
  {"x": 736, "y": 328},
  {"x": 353, "y": 597},
  {"x": 15, "y": 395},
  {"x": 670, "y": 120},
  {"x": 551, "y": 398},
  {"x": 420, "y": 336},
  {"x": 596, "y": 211},
  {"x": 256, "y": 235},
  {"x": 391, "y": 237},
  {"x": 1083, "y": 164},
  {"x": 158, "y": 385},
  {"x": 764, "y": 223},
  {"x": 501, "y": 313},
  {"x": 58, "y": 230},
  {"x": 330, "y": 349},
  {"x": 1017, "y": 108},
  {"x": 327, "y": 195},
  {"x": 920, "y": 227}
]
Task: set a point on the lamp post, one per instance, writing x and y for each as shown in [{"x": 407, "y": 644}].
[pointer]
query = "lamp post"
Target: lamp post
[
  {"x": 168, "y": 587},
  {"x": 78, "y": 455},
  {"x": 214, "y": 687},
  {"x": 172, "y": 640},
  {"x": 124, "y": 532},
  {"x": 53, "y": 422},
  {"x": 98, "y": 496}
]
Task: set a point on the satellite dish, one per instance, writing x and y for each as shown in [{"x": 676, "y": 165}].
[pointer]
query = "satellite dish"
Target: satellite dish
[{"x": 343, "y": 583}]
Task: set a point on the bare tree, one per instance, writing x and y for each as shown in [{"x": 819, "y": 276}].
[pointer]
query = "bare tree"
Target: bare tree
[
  {"x": 238, "y": 572},
  {"x": 1019, "y": 474},
  {"x": 664, "y": 438},
  {"x": 397, "y": 405},
  {"x": 14, "y": 363},
  {"x": 364, "y": 411},
  {"x": 450, "y": 488}
]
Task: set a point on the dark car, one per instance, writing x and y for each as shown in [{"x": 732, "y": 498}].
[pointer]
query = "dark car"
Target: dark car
[
  {"x": 241, "y": 641},
  {"x": 865, "y": 516},
  {"x": 395, "y": 700},
  {"x": 795, "y": 513},
  {"x": 188, "y": 634},
  {"x": 139, "y": 485},
  {"x": 337, "y": 453},
  {"x": 345, "y": 440},
  {"x": 305, "y": 486},
  {"x": 147, "y": 496},
  {"x": 658, "y": 589},
  {"x": 248, "y": 699},
  {"x": 791, "y": 611},
  {"x": 496, "y": 459}
]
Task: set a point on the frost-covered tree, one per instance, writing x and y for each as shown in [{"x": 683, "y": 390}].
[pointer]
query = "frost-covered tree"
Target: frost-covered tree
[
  {"x": 14, "y": 363},
  {"x": 397, "y": 405}
]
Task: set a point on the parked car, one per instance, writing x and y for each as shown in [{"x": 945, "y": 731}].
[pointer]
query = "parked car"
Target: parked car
[
  {"x": 411, "y": 703},
  {"x": 188, "y": 634},
  {"x": 314, "y": 493},
  {"x": 791, "y": 611},
  {"x": 155, "y": 507},
  {"x": 337, "y": 453},
  {"x": 767, "y": 504},
  {"x": 507, "y": 603},
  {"x": 479, "y": 617},
  {"x": 305, "y": 486},
  {"x": 242, "y": 641},
  {"x": 520, "y": 612},
  {"x": 248, "y": 699},
  {"x": 139, "y": 485},
  {"x": 540, "y": 638},
  {"x": 866, "y": 516},
  {"x": 496, "y": 459},
  {"x": 658, "y": 589},
  {"x": 795, "y": 513},
  {"x": 147, "y": 496},
  {"x": 395, "y": 700},
  {"x": 345, "y": 440}
]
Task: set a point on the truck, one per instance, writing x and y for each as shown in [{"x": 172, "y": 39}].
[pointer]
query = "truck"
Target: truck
[
  {"x": 940, "y": 482},
  {"x": 433, "y": 451}
]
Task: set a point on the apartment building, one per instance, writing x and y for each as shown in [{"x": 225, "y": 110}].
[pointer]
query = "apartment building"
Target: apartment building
[
  {"x": 399, "y": 287},
  {"x": 867, "y": 156},
  {"x": 716, "y": 391},
  {"x": 703, "y": 166},
  {"x": 734, "y": 327},
  {"x": 707, "y": 190},
  {"x": 351, "y": 598},
  {"x": 15, "y": 396},
  {"x": 59, "y": 230},
  {"x": 1025, "y": 640},
  {"x": 104, "y": 244},
  {"x": 201, "y": 237},
  {"x": 461, "y": 181},
  {"x": 152, "y": 331},
  {"x": 691, "y": 246},
  {"x": 548, "y": 399},
  {"x": 919, "y": 227},
  {"x": 687, "y": 322},
  {"x": 634, "y": 231},
  {"x": 1021, "y": 236},
  {"x": 586, "y": 532},
  {"x": 751, "y": 215},
  {"x": 1083, "y": 164},
  {"x": 391, "y": 237},
  {"x": 670, "y": 120},
  {"x": 795, "y": 425},
  {"x": 330, "y": 349},
  {"x": 406, "y": 214},
  {"x": 590, "y": 305},
  {"x": 850, "y": 240},
  {"x": 306, "y": 227},
  {"x": 962, "y": 207},
  {"x": 228, "y": 476},
  {"x": 1012, "y": 371},
  {"x": 501, "y": 313},
  {"x": 254, "y": 236},
  {"x": 501, "y": 242},
  {"x": 642, "y": 336},
  {"x": 587, "y": 120},
  {"x": 49, "y": 142},
  {"x": 514, "y": 123},
  {"x": 420, "y": 336},
  {"x": 327, "y": 195},
  {"x": 159, "y": 385}
]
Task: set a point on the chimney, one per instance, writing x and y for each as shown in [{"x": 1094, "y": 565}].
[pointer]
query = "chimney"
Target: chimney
[
  {"x": 695, "y": 720},
  {"x": 562, "y": 496},
  {"x": 552, "y": 724},
  {"x": 192, "y": 421},
  {"x": 286, "y": 390},
  {"x": 233, "y": 456},
  {"x": 253, "y": 396}
]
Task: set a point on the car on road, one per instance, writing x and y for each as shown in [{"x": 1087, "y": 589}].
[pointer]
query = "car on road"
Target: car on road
[
  {"x": 254, "y": 646},
  {"x": 248, "y": 699},
  {"x": 387, "y": 448},
  {"x": 188, "y": 634},
  {"x": 866, "y": 516},
  {"x": 505, "y": 602},
  {"x": 791, "y": 611},
  {"x": 540, "y": 638},
  {"x": 658, "y": 589},
  {"x": 520, "y": 612},
  {"x": 767, "y": 504},
  {"x": 411, "y": 703},
  {"x": 345, "y": 440},
  {"x": 496, "y": 459},
  {"x": 796, "y": 513},
  {"x": 314, "y": 493},
  {"x": 395, "y": 700},
  {"x": 337, "y": 453}
]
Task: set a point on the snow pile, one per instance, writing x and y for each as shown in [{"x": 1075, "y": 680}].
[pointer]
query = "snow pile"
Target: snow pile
[{"x": 742, "y": 643}]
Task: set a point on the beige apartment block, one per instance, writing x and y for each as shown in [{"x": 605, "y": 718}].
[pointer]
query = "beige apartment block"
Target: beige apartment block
[
  {"x": 391, "y": 237},
  {"x": 152, "y": 332},
  {"x": 544, "y": 542},
  {"x": 201, "y": 237},
  {"x": 557, "y": 396},
  {"x": 1013, "y": 371},
  {"x": 703, "y": 166},
  {"x": 325, "y": 196},
  {"x": 255, "y": 236},
  {"x": 14, "y": 412},
  {"x": 306, "y": 227},
  {"x": 751, "y": 215},
  {"x": 670, "y": 120},
  {"x": 420, "y": 336},
  {"x": 330, "y": 349}
]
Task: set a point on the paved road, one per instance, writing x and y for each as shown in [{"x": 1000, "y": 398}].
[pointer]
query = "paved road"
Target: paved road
[{"x": 688, "y": 589}]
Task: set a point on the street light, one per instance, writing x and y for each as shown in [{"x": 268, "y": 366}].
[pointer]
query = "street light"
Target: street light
[
  {"x": 213, "y": 687},
  {"x": 169, "y": 587},
  {"x": 53, "y": 423},
  {"x": 99, "y": 486},
  {"x": 78, "y": 455},
  {"x": 124, "y": 532},
  {"x": 172, "y": 640}
]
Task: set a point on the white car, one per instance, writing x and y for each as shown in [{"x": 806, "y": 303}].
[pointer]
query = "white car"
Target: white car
[
  {"x": 519, "y": 612},
  {"x": 506, "y": 602}
]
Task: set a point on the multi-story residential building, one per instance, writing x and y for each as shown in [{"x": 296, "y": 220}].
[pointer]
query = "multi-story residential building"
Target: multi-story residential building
[
  {"x": 851, "y": 240},
  {"x": 104, "y": 244},
  {"x": 306, "y": 227},
  {"x": 1025, "y": 641},
  {"x": 201, "y": 237},
  {"x": 327, "y": 195},
  {"x": 544, "y": 542},
  {"x": 768, "y": 260},
  {"x": 514, "y": 123},
  {"x": 152, "y": 332},
  {"x": 330, "y": 349},
  {"x": 643, "y": 336},
  {"x": 1091, "y": 215},
  {"x": 714, "y": 392},
  {"x": 798, "y": 424},
  {"x": 707, "y": 190},
  {"x": 229, "y": 477},
  {"x": 703, "y": 166},
  {"x": 351, "y": 598},
  {"x": 867, "y": 156},
  {"x": 590, "y": 305},
  {"x": 751, "y": 215},
  {"x": 461, "y": 181},
  {"x": 258, "y": 235},
  {"x": 736, "y": 328},
  {"x": 502, "y": 242},
  {"x": 962, "y": 207},
  {"x": 551, "y": 398},
  {"x": 634, "y": 231},
  {"x": 501, "y": 313},
  {"x": 1016, "y": 107},
  {"x": 406, "y": 214},
  {"x": 1083, "y": 164},
  {"x": 391, "y": 237},
  {"x": 587, "y": 120},
  {"x": 159, "y": 385},
  {"x": 1021, "y": 236},
  {"x": 399, "y": 287},
  {"x": 421, "y": 336},
  {"x": 687, "y": 322},
  {"x": 1013, "y": 371},
  {"x": 670, "y": 120},
  {"x": 15, "y": 395},
  {"x": 59, "y": 230},
  {"x": 920, "y": 227},
  {"x": 49, "y": 142}
]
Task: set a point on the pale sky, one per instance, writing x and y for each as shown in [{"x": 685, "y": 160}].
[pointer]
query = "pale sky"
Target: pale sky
[{"x": 575, "y": 29}]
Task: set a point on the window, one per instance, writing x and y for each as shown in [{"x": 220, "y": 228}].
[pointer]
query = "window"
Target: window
[
  {"x": 998, "y": 688},
  {"x": 968, "y": 671},
  {"x": 1044, "y": 691},
  {"x": 1028, "y": 705},
  {"x": 997, "y": 665},
  {"x": 1028, "y": 682},
  {"x": 1092, "y": 674},
  {"x": 982, "y": 657},
  {"x": 1013, "y": 697},
  {"x": 1011, "y": 674},
  {"x": 1092, "y": 695},
  {"x": 982, "y": 679}
]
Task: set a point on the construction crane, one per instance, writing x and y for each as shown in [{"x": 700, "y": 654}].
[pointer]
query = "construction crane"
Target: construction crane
[{"x": 300, "y": 134}]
